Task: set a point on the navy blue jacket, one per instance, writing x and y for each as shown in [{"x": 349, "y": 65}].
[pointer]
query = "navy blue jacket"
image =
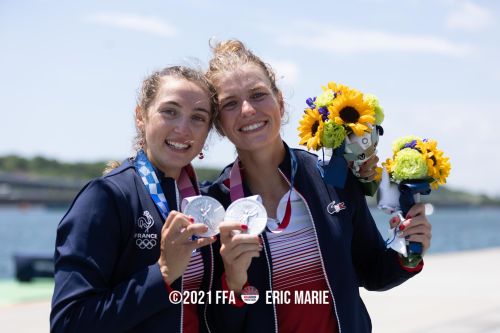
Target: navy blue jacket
[
  {"x": 106, "y": 276},
  {"x": 352, "y": 251}
]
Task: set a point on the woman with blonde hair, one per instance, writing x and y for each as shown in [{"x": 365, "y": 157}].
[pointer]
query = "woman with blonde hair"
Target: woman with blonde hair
[{"x": 305, "y": 247}]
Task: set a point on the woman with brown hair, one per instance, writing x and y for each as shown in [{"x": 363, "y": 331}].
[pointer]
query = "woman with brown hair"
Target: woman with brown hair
[
  {"x": 305, "y": 248},
  {"x": 123, "y": 246}
]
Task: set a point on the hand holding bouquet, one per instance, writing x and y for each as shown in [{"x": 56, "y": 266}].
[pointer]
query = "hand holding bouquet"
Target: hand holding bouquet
[
  {"x": 343, "y": 122},
  {"x": 417, "y": 166}
]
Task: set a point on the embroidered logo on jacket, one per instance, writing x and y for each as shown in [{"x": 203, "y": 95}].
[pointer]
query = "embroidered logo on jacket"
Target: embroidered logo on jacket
[
  {"x": 145, "y": 239},
  {"x": 333, "y": 208}
]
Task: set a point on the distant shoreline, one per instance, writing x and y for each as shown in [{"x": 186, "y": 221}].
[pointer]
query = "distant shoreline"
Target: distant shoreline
[{"x": 371, "y": 204}]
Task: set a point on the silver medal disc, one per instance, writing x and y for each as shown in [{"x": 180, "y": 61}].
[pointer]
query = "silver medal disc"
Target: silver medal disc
[
  {"x": 250, "y": 212},
  {"x": 208, "y": 211}
]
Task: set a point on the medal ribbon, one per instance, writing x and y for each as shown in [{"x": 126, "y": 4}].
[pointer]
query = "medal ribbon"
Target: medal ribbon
[
  {"x": 148, "y": 175},
  {"x": 236, "y": 189}
]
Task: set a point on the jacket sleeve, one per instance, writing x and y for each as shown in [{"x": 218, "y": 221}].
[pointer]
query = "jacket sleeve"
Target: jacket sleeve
[
  {"x": 88, "y": 245},
  {"x": 377, "y": 267}
]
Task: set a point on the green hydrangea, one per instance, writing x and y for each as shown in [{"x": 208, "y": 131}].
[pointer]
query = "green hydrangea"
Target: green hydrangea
[
  {"x": 333, "y": 135},
  {"x": 409, "y": 164},
  {"x": 325, "y": 98},
  {"x": 399, "y": 143},
  {"x": 373, "y": 101}
]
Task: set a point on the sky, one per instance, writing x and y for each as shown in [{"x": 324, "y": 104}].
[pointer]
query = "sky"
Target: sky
[{"x": 70, "y": 70}]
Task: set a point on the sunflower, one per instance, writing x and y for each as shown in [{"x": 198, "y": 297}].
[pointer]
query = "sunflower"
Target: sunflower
[
  {"x": 338, "y": 88},
  {"x": 349, "y": 108},
  {"x": 311, "y": 129},
  {"x": 438, "y": 166}
]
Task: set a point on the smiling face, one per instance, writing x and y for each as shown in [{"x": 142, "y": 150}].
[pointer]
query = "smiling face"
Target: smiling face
[
  {"x": 176, "y": 124},
  {"x": 249, "y": 110}
]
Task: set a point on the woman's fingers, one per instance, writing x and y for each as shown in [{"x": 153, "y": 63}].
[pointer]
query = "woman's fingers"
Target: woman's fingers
[
  {"x": 238, "y": 250},
  {"x": 247, "y": 256},
  {"x": 417, "y": 229},
  {"x": 415, "y": 210},
  {"x": 202, "y": 241},
  {"x": 394, "y": 221},
  {"x": 227, "y": 229},
  {"x": 230, "y": 239},
  {"x": 189, "y": 231},
  {"x": 367, "y": 170},
  {"x": 420, "y": 220}
]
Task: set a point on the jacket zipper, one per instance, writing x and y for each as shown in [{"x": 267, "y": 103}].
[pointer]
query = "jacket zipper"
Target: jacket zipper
[
  {"x": 209, "y": 286},
  {"x": 319, "y": 249},
  {"x": 271, "y": 286},
  {"x": 182, "y": 306},
  {"x": 177, "y": 199}
]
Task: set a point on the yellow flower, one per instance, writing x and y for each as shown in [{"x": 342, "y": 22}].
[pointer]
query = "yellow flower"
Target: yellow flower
[
  {"x": 349, "y": 108},
  {"x": 388, "y": 165},
  {"x": 339, "y": 88},
  {"x": 378, "y": 175},
  {"x": 438, "y": 166},
  {"x": 310, "y": 129}
]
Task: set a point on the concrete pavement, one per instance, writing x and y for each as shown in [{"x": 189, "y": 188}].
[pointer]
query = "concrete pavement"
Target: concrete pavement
[{"x": 457, "y": 292}]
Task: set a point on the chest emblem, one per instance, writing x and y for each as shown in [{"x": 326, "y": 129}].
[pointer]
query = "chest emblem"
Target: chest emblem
[
  {"x": 146, "y": 221},
  {"x": 143, "y": 238},
  {"x": 333, "y": 208}
]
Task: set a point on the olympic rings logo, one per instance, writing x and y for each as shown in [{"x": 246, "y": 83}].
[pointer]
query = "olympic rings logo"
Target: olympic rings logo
[{"x": 145, "y": 243}]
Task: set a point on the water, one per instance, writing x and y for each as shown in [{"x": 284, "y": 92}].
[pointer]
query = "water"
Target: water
[{"x": 33, "y": 230}]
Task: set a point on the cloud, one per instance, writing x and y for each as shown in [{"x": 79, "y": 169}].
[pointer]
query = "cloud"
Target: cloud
[
  {"x": 285, "y": 70},
  {"x": 134, "y": 22},
  {"x": 469, "y": 16},
  {"x": 351, "y": 41}
]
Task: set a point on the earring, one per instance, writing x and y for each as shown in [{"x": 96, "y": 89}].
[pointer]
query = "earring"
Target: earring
[{"x": 201, "y": 155}]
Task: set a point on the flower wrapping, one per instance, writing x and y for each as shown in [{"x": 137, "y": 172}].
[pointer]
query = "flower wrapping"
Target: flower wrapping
[{"x": 343, "y": 122}]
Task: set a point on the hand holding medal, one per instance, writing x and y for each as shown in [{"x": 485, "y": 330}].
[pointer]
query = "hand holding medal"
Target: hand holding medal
[{"x": 245, "y": 219}]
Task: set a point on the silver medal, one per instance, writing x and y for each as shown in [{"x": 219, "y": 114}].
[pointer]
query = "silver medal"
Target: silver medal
[
  {"x": 208, "y": 211},
  {"x": 249, "y": 212}
]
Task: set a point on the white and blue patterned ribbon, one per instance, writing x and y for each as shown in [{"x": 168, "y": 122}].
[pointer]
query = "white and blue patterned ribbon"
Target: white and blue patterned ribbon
[{"x": 151, "y": 182}]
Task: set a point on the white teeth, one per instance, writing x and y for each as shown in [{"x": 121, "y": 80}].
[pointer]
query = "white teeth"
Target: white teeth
[
  {"x": 252, "y": 127},
  {"x": 177, "y": 145}
]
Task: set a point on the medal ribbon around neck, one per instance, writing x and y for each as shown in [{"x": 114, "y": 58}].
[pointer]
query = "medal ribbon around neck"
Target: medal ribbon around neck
[
  {"x": 236, "y": 189},
  {"x": 148, "y": 175}
]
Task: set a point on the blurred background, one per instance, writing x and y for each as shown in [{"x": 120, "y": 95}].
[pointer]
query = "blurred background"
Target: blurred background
[{"x": 70, "y": 71}]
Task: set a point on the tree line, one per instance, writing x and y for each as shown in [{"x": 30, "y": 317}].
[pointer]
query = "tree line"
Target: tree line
[{"x": 47, "y": 167}]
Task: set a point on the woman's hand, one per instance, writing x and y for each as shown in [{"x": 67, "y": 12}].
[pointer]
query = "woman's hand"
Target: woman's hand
[
  {"x": 237, "y": 251},
  {"x": 416, "y": 226},
  {"x": 367, "y": 170},
  {"x": 176, "y": 245}
]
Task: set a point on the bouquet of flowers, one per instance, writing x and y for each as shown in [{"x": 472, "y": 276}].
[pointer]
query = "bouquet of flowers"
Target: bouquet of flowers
[
  {"x": 417, "y": 166},
  {"x": 343, "y": 122}
]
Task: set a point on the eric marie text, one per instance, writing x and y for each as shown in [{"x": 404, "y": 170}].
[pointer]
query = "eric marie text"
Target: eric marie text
[{"x": 297, "y": 297}]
